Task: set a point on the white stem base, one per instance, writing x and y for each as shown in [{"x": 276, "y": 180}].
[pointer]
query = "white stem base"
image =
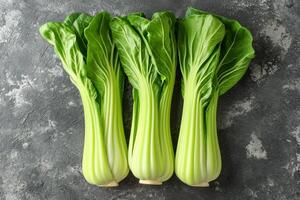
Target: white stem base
[
  {"x": 110, "y": 184},
  {"x": 205, "y": 184},
  {"x": 150, "y": 182}
]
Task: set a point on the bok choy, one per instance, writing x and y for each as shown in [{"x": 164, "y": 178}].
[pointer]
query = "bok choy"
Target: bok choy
[
  {"x": 147, "y": 51},
  {"x": 88, "y": 54},
  {"x": 214, "y": 53}
]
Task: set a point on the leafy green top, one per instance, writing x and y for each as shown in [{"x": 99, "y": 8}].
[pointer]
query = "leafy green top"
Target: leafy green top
[
  {"x": 65, "y": 37},
  {"x": 146, "y": 47},
  {"x": 103, "y": 65},
  {"x": 199, "y": 51},
  {"x": 234, "y": 48}
]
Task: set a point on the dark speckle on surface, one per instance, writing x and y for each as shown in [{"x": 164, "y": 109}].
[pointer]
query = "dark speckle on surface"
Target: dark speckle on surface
[{"x": 41, "y": 117}]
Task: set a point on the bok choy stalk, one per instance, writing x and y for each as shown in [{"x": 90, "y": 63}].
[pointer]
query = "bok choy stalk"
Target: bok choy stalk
[
  {"x": 89, "y": 56},
  {"x": 147, "y": 51},
  {"x": 214, "y": 53}
]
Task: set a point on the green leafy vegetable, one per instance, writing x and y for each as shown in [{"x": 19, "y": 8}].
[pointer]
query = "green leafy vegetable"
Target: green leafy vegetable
[
  {"x": 214, "y": 53},
  {"x": 147, "y": 51},
  {"x": 89, "y": 56}
]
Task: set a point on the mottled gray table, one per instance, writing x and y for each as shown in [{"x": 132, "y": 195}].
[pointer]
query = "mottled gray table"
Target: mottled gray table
[{"x": 41, "y": 118}]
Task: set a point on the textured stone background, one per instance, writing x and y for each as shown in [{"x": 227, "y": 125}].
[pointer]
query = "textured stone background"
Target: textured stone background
[{"x": 41, "y": 118}]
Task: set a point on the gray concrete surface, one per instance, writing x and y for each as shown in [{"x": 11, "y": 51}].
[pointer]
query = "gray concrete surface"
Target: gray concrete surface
[{"x": 41, "y": 118}]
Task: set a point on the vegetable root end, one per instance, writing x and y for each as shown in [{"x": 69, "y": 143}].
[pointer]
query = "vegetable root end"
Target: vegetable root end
[
  {"x": 150, "y": 182},
  {"x": 205, "y": 184},
  {"x": 110, "y": 184}
]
